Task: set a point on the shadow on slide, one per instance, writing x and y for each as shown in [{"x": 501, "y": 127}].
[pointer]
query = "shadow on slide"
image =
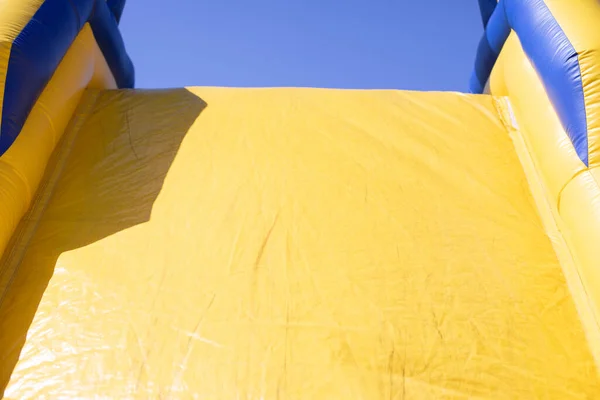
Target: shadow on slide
[{"x": 107, "y": 182}]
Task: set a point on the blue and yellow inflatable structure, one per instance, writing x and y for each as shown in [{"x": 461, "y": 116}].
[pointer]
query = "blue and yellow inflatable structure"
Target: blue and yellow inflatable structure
[
  {"x": 544, "y": 57},
  {"x": 261, "y": 243}
]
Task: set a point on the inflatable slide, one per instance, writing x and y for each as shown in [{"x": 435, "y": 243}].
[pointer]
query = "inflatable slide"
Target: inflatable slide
[{"x": 299, "y": 243}]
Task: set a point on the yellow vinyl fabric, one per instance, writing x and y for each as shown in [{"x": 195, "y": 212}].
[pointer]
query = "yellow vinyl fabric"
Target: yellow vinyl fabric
[
  {"x": 15, "y": 190},
  {"x": 296, "y": 243},
  {"x": 22, "y": 166},
  {"x": 221, "y": 243},
  {"x": 572, "y": 188},
  {"x": 514, "y": 76}
]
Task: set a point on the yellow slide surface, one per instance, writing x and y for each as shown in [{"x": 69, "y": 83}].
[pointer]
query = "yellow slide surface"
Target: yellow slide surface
[{"x": 287, "y": 243}]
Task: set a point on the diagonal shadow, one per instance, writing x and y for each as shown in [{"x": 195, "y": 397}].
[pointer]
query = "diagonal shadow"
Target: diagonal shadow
[{"x": 111, "y": 171}]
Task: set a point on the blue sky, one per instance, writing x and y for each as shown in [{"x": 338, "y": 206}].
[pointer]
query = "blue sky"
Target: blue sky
[{"x": 370, "y": 44}]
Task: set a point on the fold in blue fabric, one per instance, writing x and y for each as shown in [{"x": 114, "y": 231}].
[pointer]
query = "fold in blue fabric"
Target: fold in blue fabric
[
  {"x": 487, "y": 8},
  {"x": 116, "y": 8}
]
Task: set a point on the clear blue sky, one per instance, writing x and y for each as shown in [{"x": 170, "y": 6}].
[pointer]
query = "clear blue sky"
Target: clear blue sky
[{"x": 396, "y": 44}]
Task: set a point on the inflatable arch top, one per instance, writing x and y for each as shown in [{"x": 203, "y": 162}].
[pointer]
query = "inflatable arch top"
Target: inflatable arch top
[{"x": 224, "y": 258}]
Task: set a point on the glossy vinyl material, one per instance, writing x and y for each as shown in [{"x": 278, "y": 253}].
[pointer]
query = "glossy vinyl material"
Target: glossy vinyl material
[
  {"x": 34, "y": 52},
  {"x": 552, "y": 55},
  {"x": 487, "y": 8},
  {"x": 22, "y": 166},
  {"x": 299, "y": 243},
  {"x": 515, "y": 77},
  {"x": 292, "y": 243},
  {"x": 579, "y": 20},
  {"x": 561, "y": 41},
  {"x": 572, "y": 188}
]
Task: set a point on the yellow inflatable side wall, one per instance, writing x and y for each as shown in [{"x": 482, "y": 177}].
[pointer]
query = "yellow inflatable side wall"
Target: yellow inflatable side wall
[
  {"x": 22, "y": 166},
  {"x": 571, "y": 188},
  {"x": 46, "y": 62}
]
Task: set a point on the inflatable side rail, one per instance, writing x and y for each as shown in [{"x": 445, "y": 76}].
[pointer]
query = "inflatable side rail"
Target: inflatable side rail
[
  {"x": 39, "y": 45},
  {"x": 51, "y": 51},
  {"x": 552, "y": 54},
  {"x": 544, "y": 57}
]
